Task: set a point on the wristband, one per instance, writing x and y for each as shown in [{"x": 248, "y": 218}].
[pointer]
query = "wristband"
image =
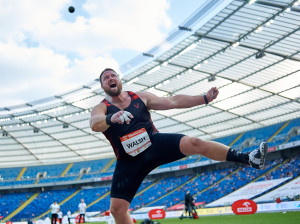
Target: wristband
[
  {"x": 108, "y": 119},
  {"x": 205, "y": 99}
]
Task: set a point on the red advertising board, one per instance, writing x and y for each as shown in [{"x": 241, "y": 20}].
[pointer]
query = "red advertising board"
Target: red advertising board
[
  {"x": 182, "y": 167},
  {"x": 106, "y": 178},
  {"x": 272, "y": 149},
  {"x": 244, "y": 207},
  {"x": 157, "y": 214}
]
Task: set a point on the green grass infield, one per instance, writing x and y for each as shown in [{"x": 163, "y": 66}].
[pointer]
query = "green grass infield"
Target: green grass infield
[{"x": 259, "y": 218}]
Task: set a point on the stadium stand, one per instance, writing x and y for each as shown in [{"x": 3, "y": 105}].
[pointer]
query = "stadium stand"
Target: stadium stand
[
  {"x": 8, "y": 174},
  {"x": 88, "y": 194},
  {"x": 158, "y": 190},
  {"x": 287, "y": 192},
  {"x": 184, "y": 161},
  {"x": 49, "y": 170},
  {"x": 206, "y": 186},
  {"x": 256, "y": 136},
  {"x": 194, "y": 185},
  {"x": 289, "y": 168},
  {"x": 112, "y": 167},
  {"x": 96, "y": 175},
  {"x": 15, "y": 183},
  {"x": 42, "y": 203},
  {"x": 209, "y": 186},
  {"x": 11, "y": 201},
  {"x": 95, "y": 168},
  {"x": 57, "y": 179}
]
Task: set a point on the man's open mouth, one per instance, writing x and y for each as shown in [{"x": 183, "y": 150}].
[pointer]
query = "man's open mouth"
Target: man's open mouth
[{"x": 113, "y": 85}]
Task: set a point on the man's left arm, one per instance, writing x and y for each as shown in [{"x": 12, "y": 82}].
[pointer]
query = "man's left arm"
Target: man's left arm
[{"x": 179, "y": 101}]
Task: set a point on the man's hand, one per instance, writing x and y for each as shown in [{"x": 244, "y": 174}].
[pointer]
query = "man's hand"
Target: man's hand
[
  {"x": 121, "y": 117},
  {"x": 212, "y": 94}
]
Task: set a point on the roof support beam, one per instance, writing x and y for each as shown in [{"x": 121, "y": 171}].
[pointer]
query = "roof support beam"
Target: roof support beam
[
  {"x": 253, "y": 48},
  {"x": 274, "y": 5}
]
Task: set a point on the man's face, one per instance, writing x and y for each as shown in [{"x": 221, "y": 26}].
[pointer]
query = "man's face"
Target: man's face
[
  {"x": 82, "y": 201},
  {"x": 111, "y": 84}
]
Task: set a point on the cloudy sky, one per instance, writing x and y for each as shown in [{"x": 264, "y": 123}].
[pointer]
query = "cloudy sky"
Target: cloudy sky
[{"x": 45, "y": 50}]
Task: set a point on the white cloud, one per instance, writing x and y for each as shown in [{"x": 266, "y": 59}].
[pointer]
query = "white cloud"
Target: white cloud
[
  {"x": 34, "y": 73},
  {"x": 88, "y": 69},
  {"x": 135, "y": 24},
  {"x": 43, "y": 52},
  {"x": 28, "y": 16},
  {"x": 131, "y": 25}
]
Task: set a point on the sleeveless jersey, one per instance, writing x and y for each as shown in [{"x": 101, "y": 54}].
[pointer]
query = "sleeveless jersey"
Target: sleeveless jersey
[{"x": 121, "y": 136}]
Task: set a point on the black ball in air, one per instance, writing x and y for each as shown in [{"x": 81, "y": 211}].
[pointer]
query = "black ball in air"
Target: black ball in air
[{"x": 71, "y": 9}]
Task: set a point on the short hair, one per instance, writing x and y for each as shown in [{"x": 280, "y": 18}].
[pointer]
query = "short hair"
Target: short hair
[{"x": 107, "y": 69}]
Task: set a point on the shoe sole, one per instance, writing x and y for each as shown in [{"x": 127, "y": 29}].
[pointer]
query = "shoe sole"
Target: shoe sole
[{"x": 263, "y": 148}]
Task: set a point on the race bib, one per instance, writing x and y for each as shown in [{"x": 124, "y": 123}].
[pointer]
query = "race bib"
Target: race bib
[{"x": 136, "y": 142}]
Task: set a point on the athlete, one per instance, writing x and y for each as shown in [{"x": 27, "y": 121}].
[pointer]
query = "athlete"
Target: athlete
[{"x": 124, "y": 119}]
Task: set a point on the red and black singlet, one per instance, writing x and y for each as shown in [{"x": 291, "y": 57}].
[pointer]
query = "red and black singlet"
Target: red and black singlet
[{"x": 141, "y": 120}]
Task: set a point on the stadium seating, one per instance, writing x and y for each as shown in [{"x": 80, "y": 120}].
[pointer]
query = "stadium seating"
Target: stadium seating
[
  {"x": 42, "y": 203},
  {"x": 96, "y": 175},
  {"x": 199, "y": 186},
  {"x": 227, "y": 140},
  {"x": 231, "y": 183},
  {"x": 89, "y": 195},
  {"x": 95, "y": 167},
  {"x": 57, "y": 179},
  {"x": 8, "y": 174},
  {"x": 184, "y": 161},
  {"x": 11, "y": 201},
  {"x": 112, "y": 167},
  {"x": 196, "y": 185},
  {"x": 289, "y": 169},
  {"x": 103, "y": 205},
  {"x": 17, "y": 182},
  {"x": 159, "y": 189},
  {"x": 51, "y": 170},
  {"x": 206, "y": 187}
]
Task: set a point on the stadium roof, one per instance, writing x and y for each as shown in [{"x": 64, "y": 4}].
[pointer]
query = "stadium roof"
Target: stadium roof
[{"x": 249, "y": 51}]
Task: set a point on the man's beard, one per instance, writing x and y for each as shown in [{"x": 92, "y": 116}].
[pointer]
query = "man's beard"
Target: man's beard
[{"x": 113, "y": 93}]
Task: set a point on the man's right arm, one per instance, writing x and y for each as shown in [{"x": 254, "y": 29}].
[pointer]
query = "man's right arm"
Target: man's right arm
[{"x": 98, "y": 118}]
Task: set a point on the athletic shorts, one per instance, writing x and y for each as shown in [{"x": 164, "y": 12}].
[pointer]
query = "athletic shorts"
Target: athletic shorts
[{"x": 130, "y": 173}]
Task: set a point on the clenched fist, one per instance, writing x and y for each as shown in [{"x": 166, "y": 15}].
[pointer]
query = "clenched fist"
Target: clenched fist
[{"x": 212, "y": 94}]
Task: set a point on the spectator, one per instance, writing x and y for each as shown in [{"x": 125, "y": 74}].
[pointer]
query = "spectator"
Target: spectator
[
  {"x": 82, "y": 210},
  {"x": 54, "y": 210},
  {"x": 69, "y": 216}
]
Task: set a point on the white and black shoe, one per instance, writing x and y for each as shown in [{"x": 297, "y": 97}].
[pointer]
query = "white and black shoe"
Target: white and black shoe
[{"x": 257, "y": 157}]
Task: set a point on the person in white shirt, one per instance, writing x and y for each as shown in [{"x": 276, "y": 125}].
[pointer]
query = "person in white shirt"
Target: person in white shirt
[
  {"x": 69, "y": 216},
  {"x": 82, "y": 210},
  {"x": 54, "y": 210},
  {"x": 60, "y": 215}
]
